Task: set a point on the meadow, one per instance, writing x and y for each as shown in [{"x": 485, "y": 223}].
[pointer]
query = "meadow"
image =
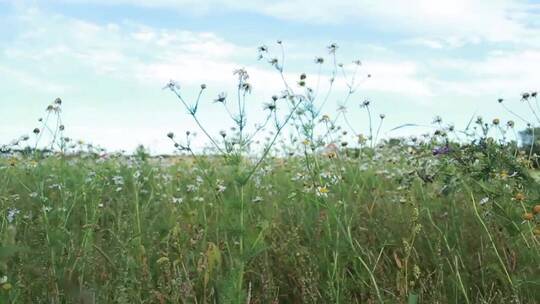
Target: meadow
[{"x": 308, "y": 217}]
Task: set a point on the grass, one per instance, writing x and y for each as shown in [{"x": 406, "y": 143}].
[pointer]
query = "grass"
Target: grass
[{"x": 394, "y": 227}]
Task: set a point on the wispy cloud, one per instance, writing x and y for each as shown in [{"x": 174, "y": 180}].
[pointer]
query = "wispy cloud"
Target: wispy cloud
[{"x": 490, "y": 20}]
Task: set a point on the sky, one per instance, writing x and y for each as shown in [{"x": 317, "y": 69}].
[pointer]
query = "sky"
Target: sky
[{"x": 109, "y": 60}]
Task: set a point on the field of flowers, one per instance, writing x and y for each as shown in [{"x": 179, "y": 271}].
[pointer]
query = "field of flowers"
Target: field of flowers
[{"x": 308, "y": 217}]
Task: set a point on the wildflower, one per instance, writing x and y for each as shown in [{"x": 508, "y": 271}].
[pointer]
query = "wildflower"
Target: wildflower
[
  {"x": 305, "y": 142},
  {"x": 382, "y": 116},
  {"x": 496, "y": 121},
  {"x": 319, "y": 60},
  {"x": 269, "y": 106},
  {"x": 242, "y": 74},
  {"x": 170, "y": 135},
  {"x": 525, "y": 96},
  {"x": 118, "y": 180},
  {"x": 322, "y": 191},
  {"x": 246, "y": 87},
  {"x": 177, "y": 200},
  {"x": 519, "y": 197},
  {"x": 330, "y": 151},
  {"x": 365, "y": 103},
  {"x": 332, "y": 48},
  {"x": 36, "y": 131},
  {"x": 527, "y": 216},
  {"x": 441, "y": 150},
  {"x": 357, "y": 62},
  {"x": 172, "y": 85},
  {"x": 257, "y": 199},
  {"x": 12, "y": 212},
  {"x": 263, "y": 48},
  {"x": 500, "y": 100},
  {"x": 536, "y": 209},
  {"x": 361, "y": 139},
  {"x": 533, "y": 94},
  {"x": 221, "y": 97},
  {"x": 203, "y": 86},
  {"x": 220, "y": 188},
  {"x": 510, "y": 123},
  {"x": 191, "y": 188}
]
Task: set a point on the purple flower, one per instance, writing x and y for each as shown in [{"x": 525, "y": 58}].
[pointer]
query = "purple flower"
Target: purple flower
[{"x": 441, "y": 150}]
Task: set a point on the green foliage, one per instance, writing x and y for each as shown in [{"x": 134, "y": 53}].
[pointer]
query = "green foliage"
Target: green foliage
[{"x": 398, "y": 224}]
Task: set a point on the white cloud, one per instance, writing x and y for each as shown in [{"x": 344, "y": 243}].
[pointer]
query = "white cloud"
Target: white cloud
[
  {"x": 502, "y": 73},
  {"x": 491, "y": 20}
]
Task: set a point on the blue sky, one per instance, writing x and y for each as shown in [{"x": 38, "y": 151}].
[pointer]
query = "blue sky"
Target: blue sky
[{"x": 108, "y": 60}]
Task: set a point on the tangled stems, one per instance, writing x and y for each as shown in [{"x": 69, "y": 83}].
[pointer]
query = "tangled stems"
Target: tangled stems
[
  {"x": 269, "y": 147},
  {"x": 193, "y": 112}
]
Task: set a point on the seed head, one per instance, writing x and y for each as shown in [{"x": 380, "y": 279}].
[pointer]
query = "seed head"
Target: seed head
[
  {"x": 332, "y": 48},
  {"x": 170, "y": 135},
  {"x": 527, "y": 216},
  {"x": 221, "y": 97}
]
